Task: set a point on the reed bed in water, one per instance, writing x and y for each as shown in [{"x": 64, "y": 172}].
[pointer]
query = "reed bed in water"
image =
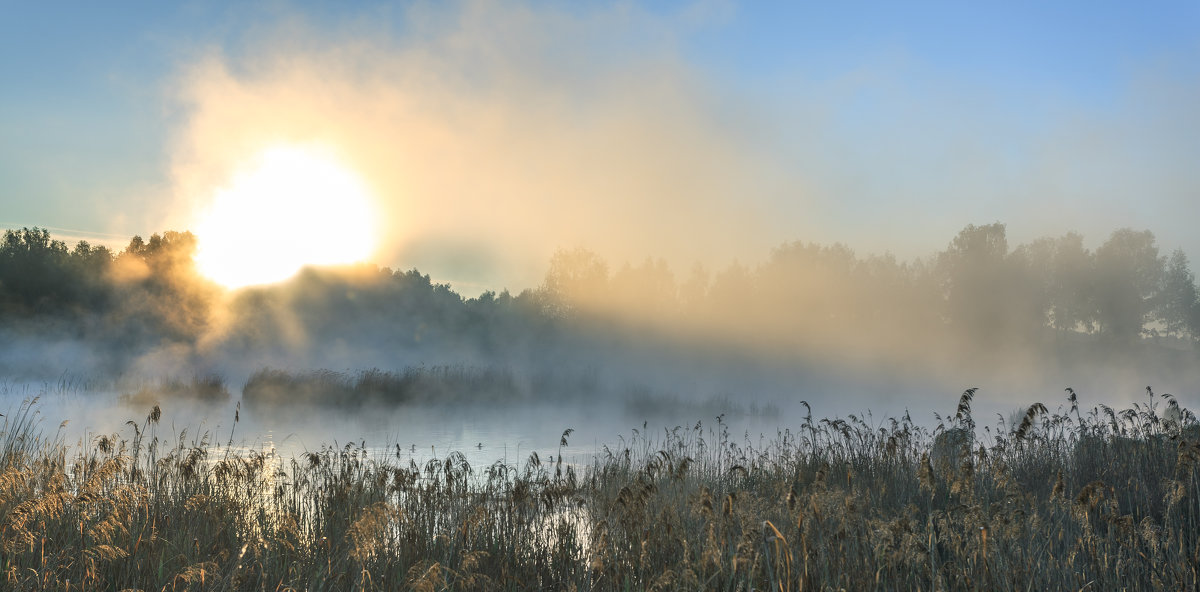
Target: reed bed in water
[
  {"x": 1056, "y": 500},
  {"x": 413, "y": 385}
]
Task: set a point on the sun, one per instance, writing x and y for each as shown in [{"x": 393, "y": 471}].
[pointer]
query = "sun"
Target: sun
[{"x": 290, "y": 207}]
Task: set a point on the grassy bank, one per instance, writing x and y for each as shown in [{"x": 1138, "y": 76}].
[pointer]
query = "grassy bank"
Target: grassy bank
[{"x": 1094, "y": 500}]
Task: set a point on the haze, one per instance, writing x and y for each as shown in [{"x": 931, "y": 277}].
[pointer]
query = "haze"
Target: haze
[
  {"x": 692, "y": 199},
  {"x": 498, "y": 132}
]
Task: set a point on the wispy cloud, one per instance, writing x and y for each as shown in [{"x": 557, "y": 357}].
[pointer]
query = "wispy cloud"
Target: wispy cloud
[{"x": 497, "y": 132}]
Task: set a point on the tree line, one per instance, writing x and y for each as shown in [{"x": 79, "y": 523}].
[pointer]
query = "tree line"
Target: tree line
[
  {"x": 147, "y": 291},
  {"x": 978, "y": 289},
  {"x": 977, "y": 293}
]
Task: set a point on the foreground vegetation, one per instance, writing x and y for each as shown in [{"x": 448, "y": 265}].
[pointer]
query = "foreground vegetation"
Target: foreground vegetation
[{"x": 1056, "y": 500}]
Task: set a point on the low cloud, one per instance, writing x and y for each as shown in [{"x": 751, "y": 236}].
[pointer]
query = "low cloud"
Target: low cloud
[
  {"x": 500, "y": 129},
  {"x": 496, "y": 132}
]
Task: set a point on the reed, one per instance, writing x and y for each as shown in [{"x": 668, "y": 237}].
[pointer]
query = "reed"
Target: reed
[{"x": 1062, "y": 500}]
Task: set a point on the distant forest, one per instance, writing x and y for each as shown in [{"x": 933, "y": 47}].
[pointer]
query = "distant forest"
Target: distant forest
[{"x": 975, "y": 296}]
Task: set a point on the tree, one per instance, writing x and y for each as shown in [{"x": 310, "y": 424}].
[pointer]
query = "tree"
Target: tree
[
  {"x": 1072, "y": 304},
  {"x": 647, "y": 290},
  {"x": 1128, "y": 276},
  {"x": 1035, "y": 262},
  {"x": 158, "y": 285},
  {"x": 809, "y": 282},
  {"x": 693, "y": 292},
  {"x": 895, "y": 301},
  {"x": 577, "y": 279},
  {"x": 1177, "y": 305},
  {"x": 34, "y": 274},
  {"x": 1061, "y": 273},
  {"x": 982, "y": 286}
]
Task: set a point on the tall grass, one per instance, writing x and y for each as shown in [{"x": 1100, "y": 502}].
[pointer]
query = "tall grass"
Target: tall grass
[
  {"x": 1057, "y": 500},
  {"x": 207, "y": 388}
]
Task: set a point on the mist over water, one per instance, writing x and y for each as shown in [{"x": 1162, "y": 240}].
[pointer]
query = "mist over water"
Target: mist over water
[
  {"x": 397, "y": 363},
  {"x": 491, "y": 134},
  {"x": 78, "y": 412}
]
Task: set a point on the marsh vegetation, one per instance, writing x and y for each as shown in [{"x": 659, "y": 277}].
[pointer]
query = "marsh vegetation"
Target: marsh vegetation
[{"x": 1063, "y": 499}]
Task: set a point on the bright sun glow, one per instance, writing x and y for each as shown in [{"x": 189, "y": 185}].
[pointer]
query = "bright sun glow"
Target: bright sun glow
[{"x": 293, "y": 206}]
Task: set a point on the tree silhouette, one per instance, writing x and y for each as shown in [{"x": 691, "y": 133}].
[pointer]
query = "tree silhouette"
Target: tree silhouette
[
  {"x": 982, "y": 286},
  {"x": 1128, "y": 276},
  {"x": 38, "y": 275},
  {"x": 975, "y": 298},
  {"x": 1177, "y": 307},
  {"x": 577, "y": 280},
  {"x": 1059, "y": 276}
]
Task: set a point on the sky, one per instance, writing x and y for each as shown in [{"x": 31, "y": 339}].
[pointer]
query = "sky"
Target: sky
[{"x": 494, "y": 132}]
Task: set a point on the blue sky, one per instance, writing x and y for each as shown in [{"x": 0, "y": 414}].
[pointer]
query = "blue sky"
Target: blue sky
[{"x": 884, "y": 125}]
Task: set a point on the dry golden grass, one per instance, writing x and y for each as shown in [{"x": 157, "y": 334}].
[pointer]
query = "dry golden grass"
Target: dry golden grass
[{"x": 1062, "y": 500}]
